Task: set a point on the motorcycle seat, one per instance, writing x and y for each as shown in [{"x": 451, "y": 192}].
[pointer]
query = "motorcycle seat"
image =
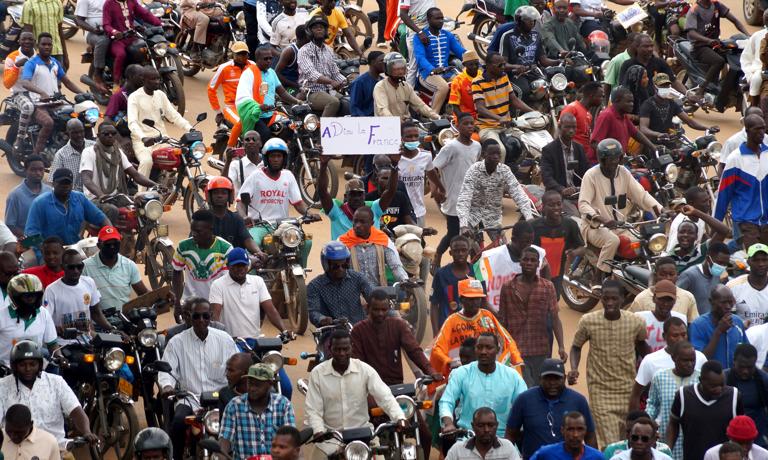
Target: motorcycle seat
[
  {"x": 268, "y": 344},
  {"x": 639, "y": 273}
]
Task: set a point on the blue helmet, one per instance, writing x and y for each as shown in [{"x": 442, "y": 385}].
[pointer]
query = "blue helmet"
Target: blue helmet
[
  {"x": 335, "y": 250},
  {"x": 274, "y": 145}
]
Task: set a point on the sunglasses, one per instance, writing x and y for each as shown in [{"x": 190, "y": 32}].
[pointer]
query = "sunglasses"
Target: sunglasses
[
  {"x": 79, "y": 266},
  {"x": 635, "y": 438},
  {"x": 201, "y": 315},
  {"x": 338, "y": 266},
  {"x": 250, "y": 139}
]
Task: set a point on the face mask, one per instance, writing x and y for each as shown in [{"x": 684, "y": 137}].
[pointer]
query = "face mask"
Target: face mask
[
  {"x": 412, "y": 145},
  {"x": 716, "y": 269},
  {"x": 665, "y": 93}
]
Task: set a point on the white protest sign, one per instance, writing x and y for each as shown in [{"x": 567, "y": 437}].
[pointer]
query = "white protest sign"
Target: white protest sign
[{"x": 360, "y": 135}]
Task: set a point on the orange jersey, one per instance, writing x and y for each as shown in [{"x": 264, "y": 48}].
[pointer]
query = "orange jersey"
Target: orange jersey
[
  {"x": 227, "y": 76},
  {"x": 10, "y": 71}
]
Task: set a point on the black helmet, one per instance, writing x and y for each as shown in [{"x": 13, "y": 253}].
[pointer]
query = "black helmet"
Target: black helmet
[
  {"x": 317, "y": 19},
  {"x": 609, "y": 148},
  {"x": 391, "y": 59},
  {"x": 152, "y": 439},
  {"x": 26, "y": 349}
]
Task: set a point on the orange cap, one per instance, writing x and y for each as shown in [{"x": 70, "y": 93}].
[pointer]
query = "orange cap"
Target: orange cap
[{"x": 471, "y": 288}]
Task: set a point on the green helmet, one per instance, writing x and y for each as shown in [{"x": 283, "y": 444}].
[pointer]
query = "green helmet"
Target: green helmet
[
  {"x": 609, "y": 148},
  {"x": 25, "y": 284}
]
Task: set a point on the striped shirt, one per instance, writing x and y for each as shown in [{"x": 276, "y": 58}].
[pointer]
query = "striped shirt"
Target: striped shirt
[
  {"x": 251, "y": 433},
  {"x": 45, "y": 16},
  {"x": 495, "y": 94},
  {"x": 199, "y": 365},
  {"x": 480, "y": 197},
  {"x": 664, "y": 386},
  {"x": 315, "y": 62}
]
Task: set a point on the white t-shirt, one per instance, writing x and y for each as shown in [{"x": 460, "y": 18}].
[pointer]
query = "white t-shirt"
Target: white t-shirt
[
  {"x": 758, "y": 338},
  {"x": 240, "y": 304},
  {"x": 589, "y": 5},
  {"x": 655, "y": 328},
  {"x": 284, "y": 27},
  {"x": 91, "y": 10},
  {"x": 269, "y": 197},
  {"x": 88, "y": 163},
  {"x": 453, "y": 161},
  {"x": 70, "y": 306},
  {"x": 13, "y": 329},
  {"x": 751, "y": 304},
  {"x": 755, "y": 453},
  {"x": 655, "y": 454},
  {"x": 411, "y": 172},
  {"x": 658, "y": 361},
  {"x": 679, "y": 219},
  {"x": 234, "y": 173}
]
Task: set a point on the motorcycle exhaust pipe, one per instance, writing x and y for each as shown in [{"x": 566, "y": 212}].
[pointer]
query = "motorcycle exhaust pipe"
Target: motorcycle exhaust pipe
[
  {"x": 578, "y": 285},
  {"x": 215, "y": 163},
  {"x": 476, "y": 38}
]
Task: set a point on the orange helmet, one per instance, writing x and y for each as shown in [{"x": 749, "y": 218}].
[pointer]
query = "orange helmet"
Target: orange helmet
[{"x": 219, "y": 182}]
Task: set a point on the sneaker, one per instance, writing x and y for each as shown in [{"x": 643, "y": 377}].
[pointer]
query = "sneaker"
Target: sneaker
[{"x": 382, "y": 45}]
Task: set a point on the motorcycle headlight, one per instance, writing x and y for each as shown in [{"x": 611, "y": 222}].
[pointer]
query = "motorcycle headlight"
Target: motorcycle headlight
[
  {"x": 604, "y": 67},
  {"x": 92, "y": 115},
  {"x": 357, "y": 450},
  {"x": 157, "y": 12},
  {"x": 671, "y": 173},
  {"x": 240, "y": 19},
  {"x": 657, "y": 243},
  {"x": 197, "y": 150},
  {"x": 212, "y": 421},
  {"x": 274, "y": 359},
  {"x": 407, "y": 405},
  {"x": 153, "y": 210},
  {"x": 291, "y": 237},
  {"x": 160, "y": 48},
  {"x": 114, "y": 359},
  {"x": 445, "y": 135},
  {"x": 538, "y": 86},
  {"x": 148, "y": 338},
  {"x": 311, "y": 122},
  {"x": 714, "y": 149},
  {"x": 559, "y": 82}
]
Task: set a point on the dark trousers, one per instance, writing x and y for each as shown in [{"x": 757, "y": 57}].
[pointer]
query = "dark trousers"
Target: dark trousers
[
  {"x": 381, "y": 22},
  {"x": 251, "y": 29},
  {"x": 452, "y": 224},
  {"x": 263, "y": 130},
  {"x": 179, "y": 430},
  {"x": 714, "y": 63}
]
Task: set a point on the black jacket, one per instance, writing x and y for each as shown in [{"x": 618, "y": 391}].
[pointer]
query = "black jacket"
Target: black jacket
[{"x": 553, "y": 167}]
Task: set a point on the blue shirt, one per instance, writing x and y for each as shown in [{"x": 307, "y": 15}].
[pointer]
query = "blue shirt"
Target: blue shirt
[
  {"x": 541, "y": 418},
  {"x": 474, "y": 389},
  {"x": 754, "y": 397},
  {"x": 497, "y": 36},
  {"x": 48, "y": 217},
  {"x": 437, "y": 53},
  {"x": 361, "y": 95},
  {"x": 44, "y": 76},
  {"x": 271, "y": 79},
  {"x": 701, "y": 330},
  {"x": 557, "y": 452},
  {"x": 18, "y": 203},
  {"x": 341, "y": 223},
  {"x": 445, "y": 293}
]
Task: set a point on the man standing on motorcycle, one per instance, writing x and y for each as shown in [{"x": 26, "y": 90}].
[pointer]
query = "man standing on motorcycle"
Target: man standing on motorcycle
[
  {"x": 227, "y": 77},
  {"x": 599, "y": 220},
  {"x": 433, "y": 59},
  {"x": 197, "y": 357},
  {"x": 149, "y": 102},
  {"x": 702, "y": 24},
  {"x": 229, "y": 224},
  {"x": 393, "y": 97},
  {"x": 119, "y": 22},
  {"x": 48, "y": 396},
  {"x": 41, "y": 76},
  {"x": 318, "y": 71},
  {"x": 89, "y": 16},
  {"x": 751, "y": 64},
  {"x": 337, "y": 23}
]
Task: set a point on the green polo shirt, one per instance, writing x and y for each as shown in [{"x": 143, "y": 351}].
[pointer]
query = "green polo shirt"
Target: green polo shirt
[{"x": 114, "y": 283}]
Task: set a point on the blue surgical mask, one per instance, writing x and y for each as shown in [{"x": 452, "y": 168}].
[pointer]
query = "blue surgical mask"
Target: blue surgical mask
[
  {"x": 412, "y": 145},
  {"x": 716, "y": 269}
]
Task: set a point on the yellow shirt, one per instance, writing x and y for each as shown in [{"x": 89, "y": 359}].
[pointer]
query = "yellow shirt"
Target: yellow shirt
[
  {"x": 336, "y": 23},
  {"x": 39, "y": 444}
]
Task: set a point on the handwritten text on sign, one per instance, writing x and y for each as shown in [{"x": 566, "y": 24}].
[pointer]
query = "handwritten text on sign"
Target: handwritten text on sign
[{"x": 360, "y": 135}]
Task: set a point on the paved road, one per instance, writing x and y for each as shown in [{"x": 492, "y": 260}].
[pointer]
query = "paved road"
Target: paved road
[{"x": 197, "y": 102}]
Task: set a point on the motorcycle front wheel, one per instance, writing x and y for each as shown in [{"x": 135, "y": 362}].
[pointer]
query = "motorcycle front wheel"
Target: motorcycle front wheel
[
  {"x": 193, "y": 200},
  {"x": 14, "y": 161},
  {"x": 122, "y": 425},
  {"x": 175, "y": 91},
  {"x": 308, "y": 180},
  {"x": 417, "y": 313},
  {"x": 297, "y": 309},
  {"x": 158, "y": 265},
  {"x": 577, "y": 299}
]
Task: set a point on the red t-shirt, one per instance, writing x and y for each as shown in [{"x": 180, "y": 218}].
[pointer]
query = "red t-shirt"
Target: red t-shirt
[
  {"x": 583, "y": 127},
  {"x": 46, "y": 275},
  {"x": 610, "y": 124}
]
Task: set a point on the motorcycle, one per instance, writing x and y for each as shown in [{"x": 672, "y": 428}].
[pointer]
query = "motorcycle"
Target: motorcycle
[
  {"x": 656, "y": 174},
  {"x": 145, "y": 239},
  {"x": 223, "y": 30},
  {"x": 753, "y": 11},
  {"x": 62, "y": 110},
  {"x": 485, "y": 16},
  {"x": 170, "y": 16},
  {"x": 320, "y": 336},
  {"x": 698, "y": 162},
  {"x": 267, "y": 350},
  {"x": 693, "y": 73},
  {"x": 405, "y": 444},
  {"x": 409, "y": 299},
  {"x": 524, "y": 141},
  {"x": 96, "y": 371},
  {"x": 283, "y": 272},
  {"x": 632, "y": 265},
  {"x": 151, "y": 48},
  {"x": 177, "y": 168},
  {"x": 434, "y": 135},
  {"x": 11, "y": 28}
]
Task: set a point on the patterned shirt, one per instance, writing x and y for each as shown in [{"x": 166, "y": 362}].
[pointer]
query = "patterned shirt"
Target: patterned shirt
[
  {"x": 315, "y": 62},
  {"x": 437, "y": 53},
  {"x": 525, "y": 315},
  {"x": 495, "y": 94},
  {"x": 327, "y": 298},
  {"x": 461, "y": 92},
  {"x": 45, "y": 16},
  {"x": 664, "y": 386},
  {"x": 367, "y": 258},
  {"x": 250, "y": 433},
  {"x": 201, "y": 266},
  {"x": 69, "y": 158},
  {"x": 481, "y": 193}
]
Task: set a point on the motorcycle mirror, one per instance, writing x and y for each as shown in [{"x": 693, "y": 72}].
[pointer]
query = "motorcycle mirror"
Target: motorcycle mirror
[
  {"x": 161, "y": 366},
  {"x": 202, "y": 117},
  {"x": 572, "y": 165},
  {"x": 611, "y": 200},
  {"x": 148, "y": 122},
  {"x": 467, "y": 7}
]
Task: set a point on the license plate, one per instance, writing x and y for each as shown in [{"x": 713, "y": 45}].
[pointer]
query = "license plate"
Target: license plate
[{"x": 125, "y": 387}]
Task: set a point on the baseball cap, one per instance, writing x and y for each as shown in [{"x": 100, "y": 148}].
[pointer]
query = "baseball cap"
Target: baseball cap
[
  {"x": 238, "y": 47},
  {"x": 741, "y": 429},
  {"x": 665, "y": 288},
  {"x": 661, "y": 79},
  {"x": 261, "y": 372},
  {"x": 469, "y": 56},
  {"x": 109, "y": 233},
  {"x": 237, "y": 256},
  {"x": 553, "y": 367},
  {"x": 317, "y": 19},
  {"x": 62, "y": 174},
  {"x": 354, "y": 185},
  {"x": 471, "y": 288},
  {"x": 755, "y": 248}
]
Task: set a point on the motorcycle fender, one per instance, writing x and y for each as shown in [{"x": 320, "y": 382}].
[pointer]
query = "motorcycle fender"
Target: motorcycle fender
[
  {"x": 354, "y": 6},
  {"x": 166, "y": 70},
  {"x": 297, "y": 270},
  {"x": 478, "y": 16}
]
